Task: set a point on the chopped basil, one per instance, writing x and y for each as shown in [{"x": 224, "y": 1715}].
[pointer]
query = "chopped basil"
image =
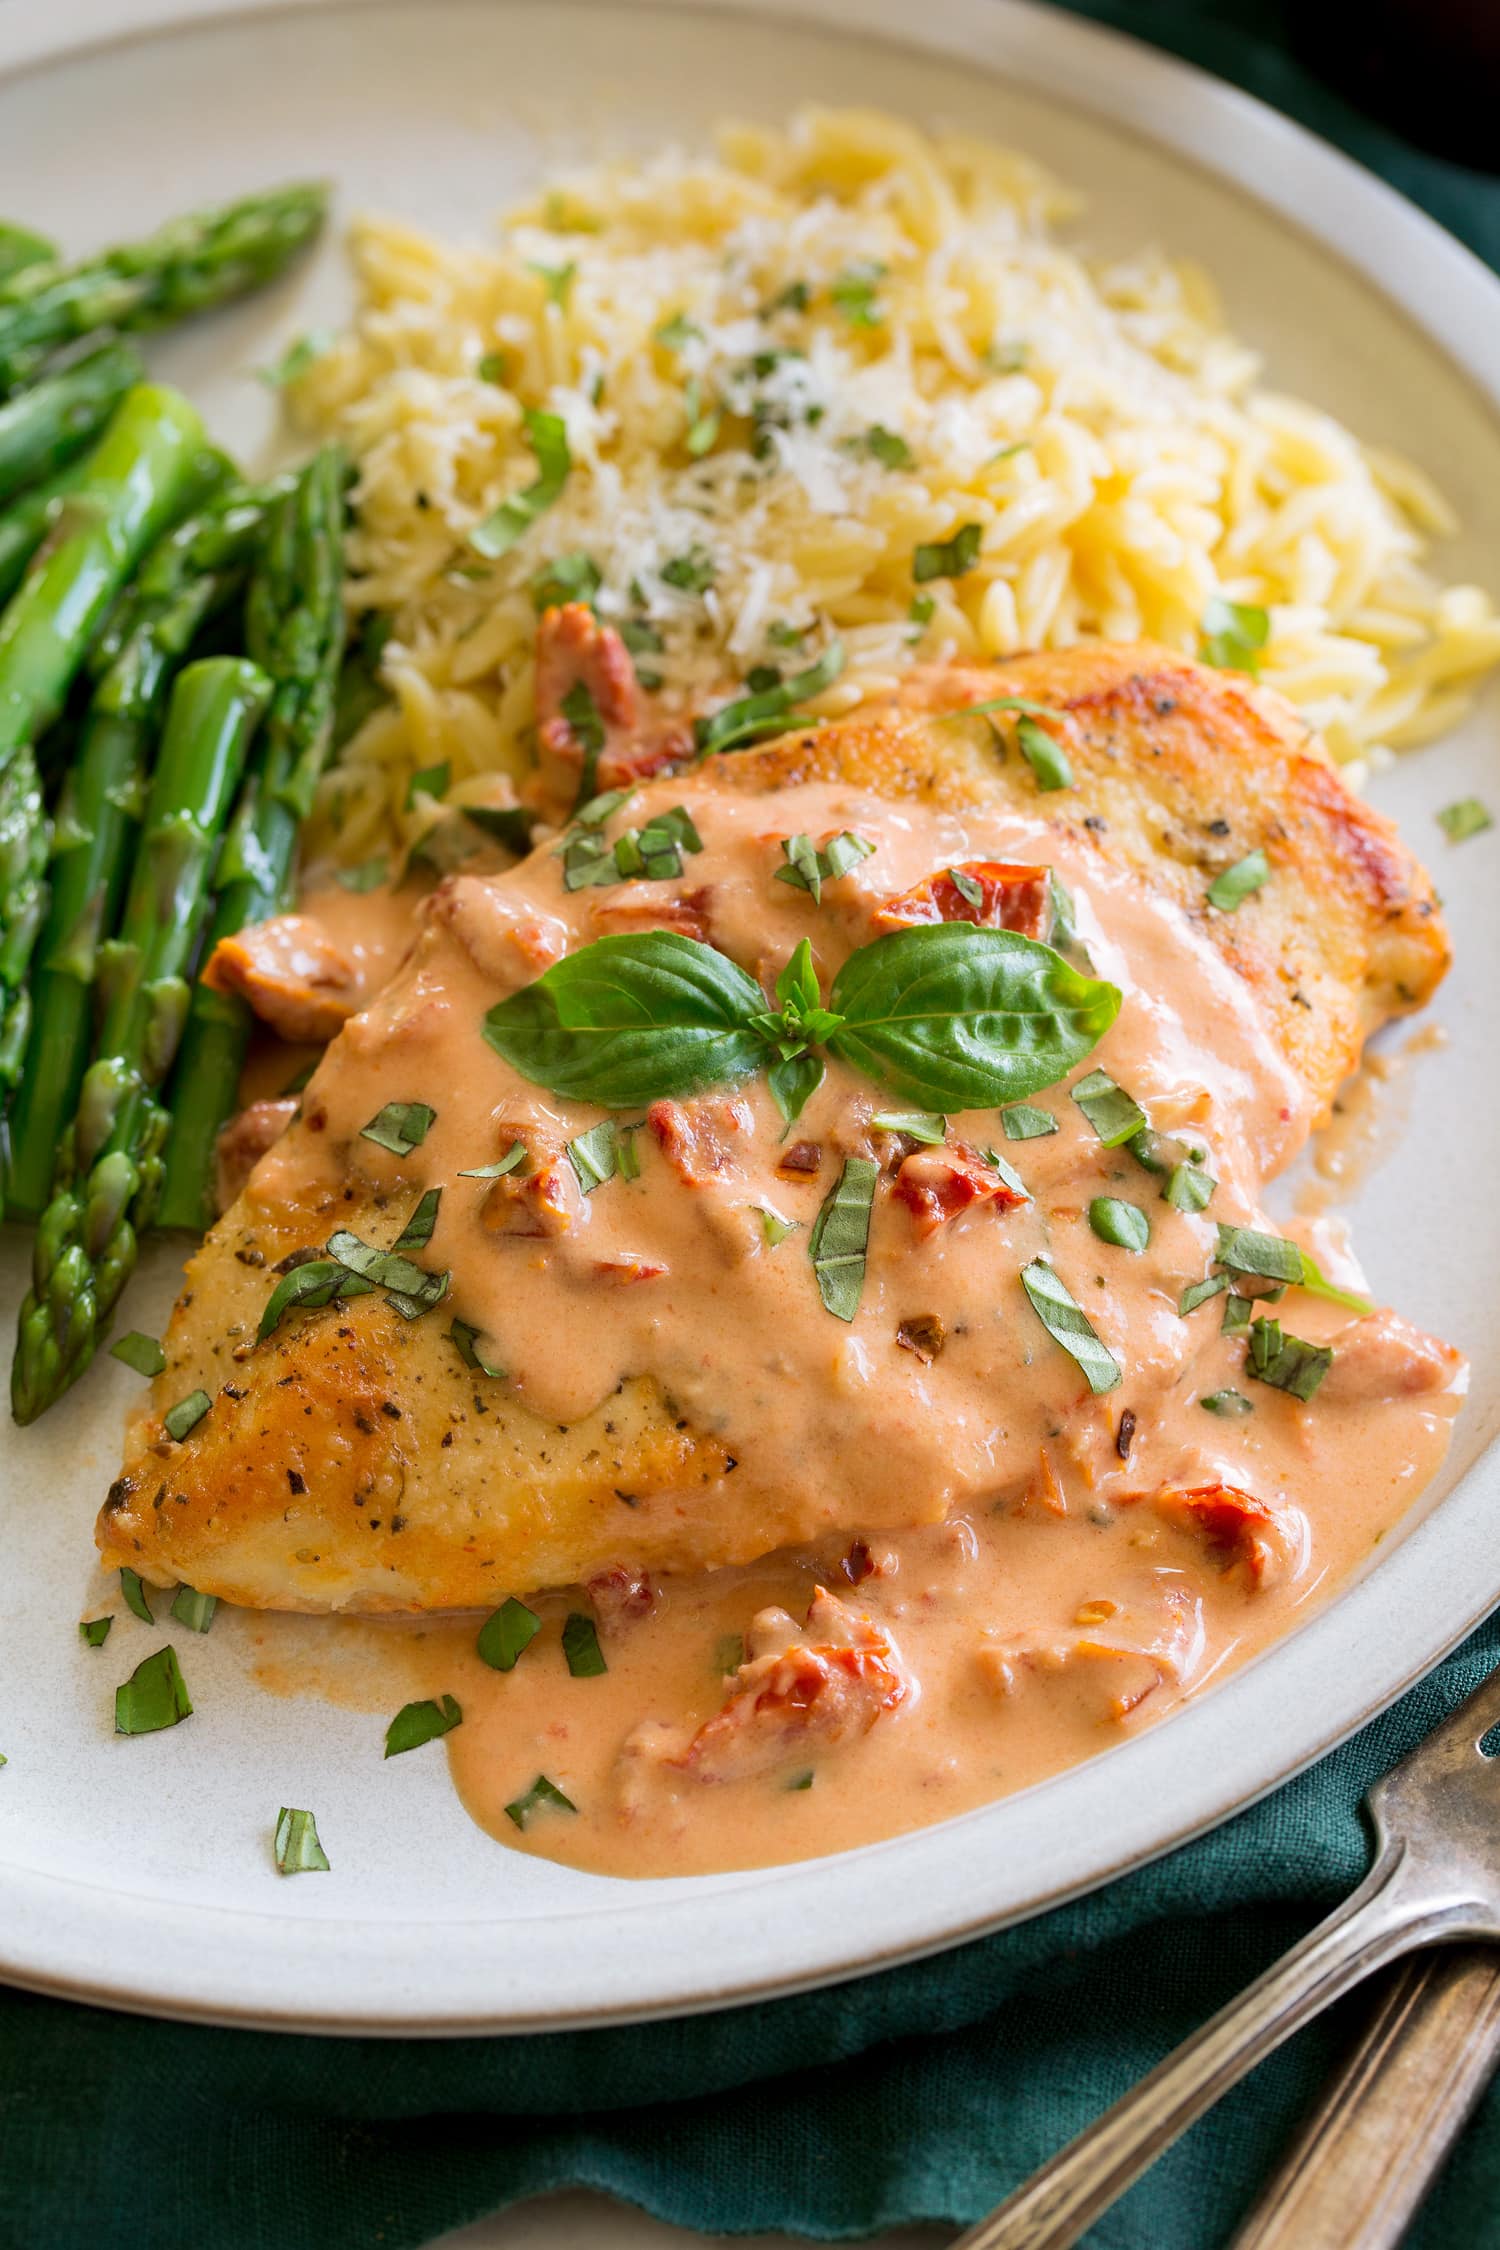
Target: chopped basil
[
  {"x": 428, "y": 781},
  {"x": 506, "y": 1634},
  {"x": 193, "y": 1609},
  {"x": 298, "y": 1851},
  {"x": 1285, "y": 1361},
  {"x": 581, "y": 712},
  {"x": 568, "y": 578},
  {"x": 1007, "y": 1172},
  {"x": 490, "y": 367},
  {"x": 580, "y": 1640},
  {"x": 1317, "y": 1284},
  {"x": 627, "y": 1156},
  {"x": 1023, "y": 1123},
  {"x": 416, "y": 1723},
  {"x": 1045, "y": 757},
  {"x": 368, "y": 876},
  {"x": 802, "y": 1780},
  {"x": 95, "y": 1630},
  {"x": 1242, "y": 881},
  {"x": 752, "y": 717},
  {"x": 640, "y": 638},
  {"x": 692, "y": 573},
  {"x": 298, "y": 357},
  {"x": 543, "y": 1795},
  {"x": 1124, "y": 1224},
  {"x": 948, "y": 558},
  {"x": 547, "y": 435},
  {"x": 514, "y": 1155},
  {"x": 1243, "y": 1250},
  {"x": 400, "y": 1127},
  {"x": 1199, "y": 1292},
  {"x": 412, "y": 1289},
  {"x": 887, "y": 447},
  {"x": 1227, "y": 1403},
  {"x": 1469, "y": 817},
  {"x": 141, "y": 1353},
  {"x": 1069, "y": 1325},
  {"x": 966, "y": 887},
  {"x": 186, "y": 1414},
  {"x": 154, "y": 1696},
  {"x": 923, "y": 609},
  {"x": 677, "y": 331},
  {"x": 1236, "y": 1316},
  {"x": 917, "y": 1124},
  {"x": 559, "y": 280},
  {"x": 1232, "y": 635},
  {"x": 594, "y": 1156},
  {"x": 840, "y": 1237},
  {"x": 704, "y": 419},
  {"x": 852, "y": 292},
  {"x": 306, "y": 1288},
  {"x": 1189, "y": 1187},
  {"x": 730, "y": 1654},
  {"x": 808, "y": 869},
  {"x": 466, "y": 1340},
  {"x": 417, "y": 1232},
  {"x": 1115, "y": 1115},
  {"x": 774, "y": 1227}
]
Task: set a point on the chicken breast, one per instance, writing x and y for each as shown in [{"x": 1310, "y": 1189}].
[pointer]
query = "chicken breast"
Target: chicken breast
[{"x": 640, "y": 1370}]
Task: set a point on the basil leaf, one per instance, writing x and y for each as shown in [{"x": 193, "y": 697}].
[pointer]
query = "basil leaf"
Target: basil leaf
[
  {"x": 186, "y": 1414},
  {"x": 384, "y": 1268},
  {"x": 506, "y": 1634},
  {"x": 631, "y": 1020},
  {"x": 580, "y": 1640},
  {"x": 808, "y": 869},
  {"x": 417, "y": 1232},
  {"x": 793, "y": 1082},
  {"x": 514, "y": 1155},
  {"x": 547, "y": 435},
  {"x": 307, "y": 1287},
  {"x": 400, "y": 1127},
  {"x": 770, "y": 712},
  {"x": 1069, "y": 1325},
  {"x": 465, "y": 1338},
  {"x": 951, "y": 1018},
  {"x": 852, "y": 292},
  {"x": 922, "y": 611},
  {"x": 428, "y": 781},
  {"x": 1469, "y": 817},
  {"x": 143, "y": 1354},
  {"x": 416, "y": 1723},
  {"x": 730, "y": 1654},
  {"x": 1199, "y": 1292},
  {"x": 1227, "y": 1403},
  {"x": 677, "y": 331},
  {"x": 774, "y": 1227},
  {"x": 917, "y": 1124},
  {"x": 692, "y": 573},
  {"x": 511, "y": 826},
  {"x": 193, "y": 1609},
  {"x": 1124, "y": 1224},
  {"x": 298, "y": 1851},
  {"x": 1286, "y": 1362},
  {"x": 887, "y": 447},
  {"x": 368, "y": 876},
  {"x": 1022, "y": 1123},
  {"x": 1115, "y": 1115},
  {"x": 948, "y": 558},
  {"x": 1316, "y": 1283},
  {"x": 593, "y": 1156},
  {"x": 1232, "y": 635},
  {"x": 1188, "y": 1188},
  {"x": 1007, "y": 1172},
  {"x": 840, "y": 1237},
  {"x": 1243, "y": 1250},
  {"x": 1046, "y": 758},
  {"x": 542, "y": 1796},
  {"x": 802, "y": 1780},
  {"x": 1003, "y": 703},
  {"x": 1231, "y": 888},
  {"x": 1235, "y": 1320},
  {"x": 135, "y": 1596},
  {"x": 95, "y": 1630},
  {"x": 154, "y": 1696}
]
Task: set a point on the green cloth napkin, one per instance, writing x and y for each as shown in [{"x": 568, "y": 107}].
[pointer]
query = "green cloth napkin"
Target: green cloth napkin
[{"x": 923, "y": 2093}]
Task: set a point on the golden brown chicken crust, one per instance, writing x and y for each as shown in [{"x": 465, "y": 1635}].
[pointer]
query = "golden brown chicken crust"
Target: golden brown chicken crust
[{"x": 353, "y": 1462}]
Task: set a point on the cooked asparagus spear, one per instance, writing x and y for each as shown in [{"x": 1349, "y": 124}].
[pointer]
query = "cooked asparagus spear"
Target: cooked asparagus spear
[
  {"x": 26, "y": 522},
  {"x": 187, "y": 576},
  {"x": 44, "y": 427},
  {"x": 192, "y": 263},
  {"x": 295, "y": 628},
  {"x": 86, "y": 1240}
]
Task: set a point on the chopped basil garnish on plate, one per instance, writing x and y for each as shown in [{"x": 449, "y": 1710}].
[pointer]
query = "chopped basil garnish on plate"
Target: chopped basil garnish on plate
[
  {"x": 400, "y": 1127},
  {"x": 730, "y": 1654},
  {"x": 466, "y": 1338},
  {"x": 515, "y": 1155},
  {"x": 142, "y": 1353},
  {"x": 428, "y": 781},
  {"x": 594, "y": 1156},
  {"x": 852, "y": 292},
  {"x": 948, "y": 558},
  {"x": 917, "y": 1124},
  {"x": 774, "y": 1228},
  {"x": 1188, "y": 1187},
  {"x": 1232, "y": 635},
  {"x": 1069, "y": 1325},
  {"x": 542, "y": 1796},
  {"x": 416, "y": 1723},
  {"x": 840, "y": 1237},
  {"x": 1023, "y": 1123},
  {"x": 887, "y": 447},
  {"x": 95, "y": 1630},
  {"x": 677, "y": 331},
  {"x": 298, "y": 1851},
  {"x": 506, "y": 1634},
  {"x": 306, "y": 1288},
  {"x": 1469, "y": 817},
  {"x": 1237, "y": 883},
  {"x": 567, "y": 578},
  {"x": 1227, "y": 1403},
  {"x": 384, "y": 1269},
  {"x": 923, "y": 610},
  {"x": 193, "y": 1609},
  {"x": 751, "y": 718},
  {"x": 1046, "y": 758},
  {"x": 580, "y": 1640},
  {"x": 547, "y": 435},
  {"x": 1285, "y": 1361},
  {"x": 1199, "y": 1292},
  {"x": 368, "y": 876},
  {"x": 417, "y": 1232},
  {"x": 154, "y": 1696},
  {"x": 1237, "y": 1314},
  {"x": 1115, "y": 1115},
  {"x": 1243, "y": 1250},
  {"x": 808, "y": 869},
  {"x": 802, "y": 1780},
  {"x": 186, "y": 1414},
  {"x": 1124, "y": 1224},
  {"x": 692, "y": 573}
]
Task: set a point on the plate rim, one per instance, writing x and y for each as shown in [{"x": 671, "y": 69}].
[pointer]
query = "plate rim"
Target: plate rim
[{"x": 1426, "y": 277}]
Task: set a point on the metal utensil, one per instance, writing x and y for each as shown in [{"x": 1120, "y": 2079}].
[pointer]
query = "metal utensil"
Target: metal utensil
[
  {"x": 1436, "y": 1878},
  {"x": 1361, "y": 2166}
]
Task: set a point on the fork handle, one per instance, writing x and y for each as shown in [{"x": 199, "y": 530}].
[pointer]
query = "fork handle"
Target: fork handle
[
  {"x": 1368, "y": 2154},
  {"x": 1388, "y": 1915}
]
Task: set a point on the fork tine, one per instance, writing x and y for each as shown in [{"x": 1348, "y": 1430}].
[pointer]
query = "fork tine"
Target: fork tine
[{"x": 1456, "y": 1739}]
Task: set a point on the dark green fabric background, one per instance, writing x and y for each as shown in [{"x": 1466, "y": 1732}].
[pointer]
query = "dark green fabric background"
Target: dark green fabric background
[{"x": 924, "y": 2093}]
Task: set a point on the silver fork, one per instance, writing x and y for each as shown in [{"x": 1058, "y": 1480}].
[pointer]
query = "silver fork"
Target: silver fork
[{"x": 1436, "y": 1878}]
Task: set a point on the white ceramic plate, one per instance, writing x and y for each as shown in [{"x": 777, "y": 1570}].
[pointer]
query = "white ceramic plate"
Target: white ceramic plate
[{"x": 138, "y": 1872}]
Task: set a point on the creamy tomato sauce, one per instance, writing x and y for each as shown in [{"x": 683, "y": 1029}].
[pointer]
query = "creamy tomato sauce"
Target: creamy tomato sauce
[{"x": 1015, "y": 1571}]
